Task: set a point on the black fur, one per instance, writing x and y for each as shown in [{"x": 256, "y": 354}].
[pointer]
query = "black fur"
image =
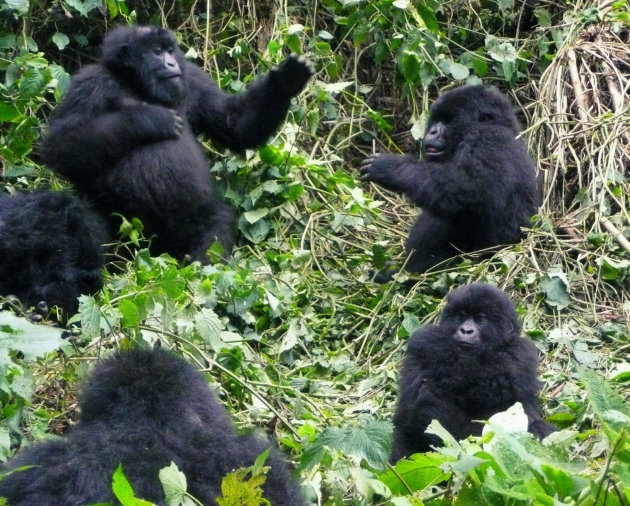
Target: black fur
[
  {"x": 476, "y": 185},
  {"x": 51, "y": 248},
  {"x": 471, "y": 366},
  {"x": 144, "y": 409},
  {"x": 126, "y": 135}
]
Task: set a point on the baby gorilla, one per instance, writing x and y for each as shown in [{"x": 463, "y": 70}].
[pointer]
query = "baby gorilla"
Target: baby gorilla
[
  {"x": 126, "y": 135},
  {"x": 473, "y": 364},
  {"x": 51, "y": 248},
  {"x": 476, "y": 184},
  {"x": 142, "y": 409}
]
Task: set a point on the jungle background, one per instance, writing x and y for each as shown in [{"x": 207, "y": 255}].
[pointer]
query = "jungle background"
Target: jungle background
[{"x": 294, "y": 335}]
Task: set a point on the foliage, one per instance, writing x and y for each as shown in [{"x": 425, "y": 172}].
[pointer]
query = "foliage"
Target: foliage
[{"x": 293, "y": 331}]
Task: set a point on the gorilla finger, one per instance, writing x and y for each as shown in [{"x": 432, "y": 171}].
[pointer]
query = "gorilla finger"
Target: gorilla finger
[
  {"x": 307, "y": 63},
  {"x": 42, "y": 307}
]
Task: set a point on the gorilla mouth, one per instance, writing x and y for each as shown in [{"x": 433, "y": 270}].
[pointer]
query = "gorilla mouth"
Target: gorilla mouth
[{"x": 433, "y": 151}]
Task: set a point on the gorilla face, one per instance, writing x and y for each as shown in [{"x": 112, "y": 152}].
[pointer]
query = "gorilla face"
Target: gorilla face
[{"x": 153, "y": 64}]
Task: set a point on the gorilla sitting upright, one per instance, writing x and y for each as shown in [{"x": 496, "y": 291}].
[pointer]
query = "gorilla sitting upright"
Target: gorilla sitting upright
[
  {"x": 125, "y": 134},
  {"x": 472, "y": 365},
  {"x": 143, "y": 409},
  {"x": 51, "y": 248},
  {"x": 476, "y": 184}
]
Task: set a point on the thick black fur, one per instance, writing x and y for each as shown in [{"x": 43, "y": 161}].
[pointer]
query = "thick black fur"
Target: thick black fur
[
  {"x": 144, "y": 409},
  {"x": 472, "y": 365},
  {"x": 51, "y": 248},
  {"x": 125, "y": 134},
  {"x": 476, "y": 184}
]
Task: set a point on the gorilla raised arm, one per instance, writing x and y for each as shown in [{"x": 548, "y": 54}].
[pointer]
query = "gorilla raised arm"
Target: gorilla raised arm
[
  {"x": 143, "y": 409},
  {"x": 125, "y": 134},
  {"x": 476, "y": 184},
  {"x": 472, "y": 365}
]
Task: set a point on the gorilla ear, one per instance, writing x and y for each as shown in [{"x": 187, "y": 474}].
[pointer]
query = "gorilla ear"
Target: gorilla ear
[{"x": 123, "y": 55}]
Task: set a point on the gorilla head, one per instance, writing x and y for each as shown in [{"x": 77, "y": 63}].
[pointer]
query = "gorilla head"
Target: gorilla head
[{"x": 149, "y": 59}]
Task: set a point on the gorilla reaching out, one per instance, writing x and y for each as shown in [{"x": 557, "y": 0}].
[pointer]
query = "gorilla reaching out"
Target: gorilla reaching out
[
  {"x": 125, "y": 134},
  {"x": 51, "y": 249},
  {"x": 476, "y": 185},
  {"x": 143, "y": 409},
  {"x": 472, "y": 365}
]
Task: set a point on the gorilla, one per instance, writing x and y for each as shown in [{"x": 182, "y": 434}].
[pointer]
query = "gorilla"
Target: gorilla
[
  {"x": 476, "y": 185},
  {"x": 472, "y": 365},
  {"x": 143, "y": 409},
  {"x": 51, "y": 249},
  {"x": 125, "y": 135}
]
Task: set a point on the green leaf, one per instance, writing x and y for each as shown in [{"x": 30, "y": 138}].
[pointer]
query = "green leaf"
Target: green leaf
[
  {"x": 84, "y": 7},
  {"x": 605, "y": 402},
  {"x": 61, "y": 40},
  {"x": 22, "y": 335},
  {"x": 418, "y": 472},
  {"x": 428, "y": 16},
  {"x": 409, "y": 65},
  {"x": 555, "y": 286},
  {"x": 175, "y": 485},
  {"x": 8, "y": 112},
  {"x": 255, "y": 215},
  {"x": 458, "y": 71},
  {"x": 260, "y": 462},
  {"x": 209, "y": 327},
  {"x": 130, "y": 313},
  {"x": 370, "y": 442},
  {"x": 123, "y": 490},
  {"x": 33, "y": 83},
  {"x": 90, "y": 316},
  {"x": 19, "y": 5}
]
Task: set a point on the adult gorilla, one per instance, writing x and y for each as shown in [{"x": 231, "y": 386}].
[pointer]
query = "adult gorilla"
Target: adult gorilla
[
  {"x": 125, "y": 134},
  {"x": 472, "y": 365},
  {"x": 476, "y": 185},
  {"x": 143, "y": 409},
  {"x": 51, "y": 249}
]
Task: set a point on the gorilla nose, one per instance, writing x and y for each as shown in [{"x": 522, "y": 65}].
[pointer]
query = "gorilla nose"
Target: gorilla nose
[{"x": 467, "y": 329}]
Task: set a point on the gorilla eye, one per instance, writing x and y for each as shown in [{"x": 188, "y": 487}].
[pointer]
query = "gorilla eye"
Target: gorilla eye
[
  {"x": 480, "y": 318},
  {"x": 157, "y": 50}
]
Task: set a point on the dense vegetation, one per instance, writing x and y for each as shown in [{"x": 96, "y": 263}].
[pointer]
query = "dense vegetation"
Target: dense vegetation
[{"x": 293, "y": 332}]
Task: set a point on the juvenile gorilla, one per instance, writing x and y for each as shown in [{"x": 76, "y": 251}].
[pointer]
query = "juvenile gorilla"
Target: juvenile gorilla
[
  {"x": 51, "y": 248},
  {"x": 125, "y": 134},
  {"x": 472, "y": 365},
  {"x": 143, "y": 409},
  {"x": 476, "y": 184}
]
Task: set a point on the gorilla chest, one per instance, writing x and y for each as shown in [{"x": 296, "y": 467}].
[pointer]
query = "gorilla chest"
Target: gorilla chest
[{"x": 173, "y": 163}]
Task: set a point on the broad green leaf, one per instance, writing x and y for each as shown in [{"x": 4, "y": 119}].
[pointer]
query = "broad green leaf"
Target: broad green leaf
[
  {"x": 123, "y": 490},
  {"x": 209, "y": 327},
  {"x": 370, "y": 442},
  {"x": 84, "y": 7},
  {"x": 61, "y": 40},
  {"x": 8, "y": 112},
  {"x": 418, "y": 472},
  {"x": 33, "y": 83},
  {"x": 605, "y": 402},
  {"x": 90, "y": 316},
  {"x": 22, "y": 335},
  {"x": 255, "y": 215},
  {"x": 175, "y": 485}
]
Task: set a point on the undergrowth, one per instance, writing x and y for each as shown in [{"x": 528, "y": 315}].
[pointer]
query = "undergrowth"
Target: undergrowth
[{"x": 292, "y": 331}]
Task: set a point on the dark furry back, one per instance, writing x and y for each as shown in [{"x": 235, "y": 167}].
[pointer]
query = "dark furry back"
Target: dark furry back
[
  {"x": 144, "y": 409},
  {"x": 51, "y": 248}
]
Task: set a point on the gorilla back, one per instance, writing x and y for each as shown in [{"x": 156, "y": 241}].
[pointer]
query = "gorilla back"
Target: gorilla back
[
  {"x": 125, "y": 134},
  {"x": 51, "y": 248},
  {"x": 143, "y": 409}
]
